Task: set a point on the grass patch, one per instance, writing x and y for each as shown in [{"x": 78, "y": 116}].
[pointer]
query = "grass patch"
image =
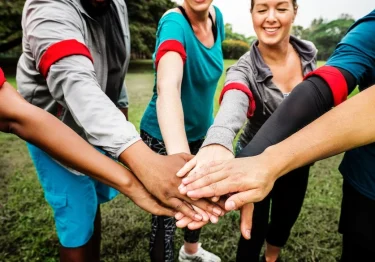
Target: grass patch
[{"x": 26, "y": 222}]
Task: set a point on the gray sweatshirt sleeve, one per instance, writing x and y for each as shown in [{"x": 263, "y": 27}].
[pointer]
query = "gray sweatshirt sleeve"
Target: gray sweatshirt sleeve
[
  {"x": 229, "y": 119},
  {"x": 72, "y": 80},
  {"x": 234, "y": 106}
]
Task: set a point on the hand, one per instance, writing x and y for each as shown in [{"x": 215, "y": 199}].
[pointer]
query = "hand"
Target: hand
[
  {"x": 157, "y": 174},
  {"x": 142, "y": 198},
  {"x": 184, "y": 221},
  {"x": 251, "y": 179},
  {"x": 245, "y": 222},
  {"x": 204, "y": 157}
]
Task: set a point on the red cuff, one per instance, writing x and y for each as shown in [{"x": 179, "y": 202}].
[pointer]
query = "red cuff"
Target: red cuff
[
  {"x": 335, "y": 80},
  {"x": 167, "y": 46},
  {"x": 246, "y": 90},
  {"x": 2, "y": 78},
  {"x": 60, "y": 50}
]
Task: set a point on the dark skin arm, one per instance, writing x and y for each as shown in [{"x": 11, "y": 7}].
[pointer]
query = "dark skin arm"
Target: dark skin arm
[{"x": 45, "y": 131}]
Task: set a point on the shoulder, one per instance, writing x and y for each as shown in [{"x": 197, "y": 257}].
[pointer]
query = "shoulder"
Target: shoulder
[
  {"x": 57, "y": 10},
  {"x": 173, "y": 15}
]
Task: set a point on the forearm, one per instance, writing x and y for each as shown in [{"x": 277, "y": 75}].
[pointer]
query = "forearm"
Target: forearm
[
  {"x": 229, "y": 119},
  {"x": 350, "y": 125},
  {"x": 169, "y": 106},
  {"x": 171, "y": 121},
  {"x": 72, "y": 83},
  {"x": 45, "y": 131}
]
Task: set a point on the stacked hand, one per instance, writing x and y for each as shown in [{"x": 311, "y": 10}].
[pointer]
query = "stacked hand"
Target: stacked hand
[
  {"x": 247, "y": 180},
  {"x": 159, "y": 179},
  {"x": 198, "y": 165}
]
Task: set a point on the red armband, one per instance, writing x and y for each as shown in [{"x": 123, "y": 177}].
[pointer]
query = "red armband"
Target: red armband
[
  {"x": 246, "y": 90},
  {"x": 335, "y": 80},
  {"x": 60, "y": 50},
  {"x": 2, "y": 78},
  {"x": 168, "y": 46}
]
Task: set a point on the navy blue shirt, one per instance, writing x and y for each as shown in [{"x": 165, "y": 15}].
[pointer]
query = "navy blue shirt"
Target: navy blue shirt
[{"x": 356, "y": 54}]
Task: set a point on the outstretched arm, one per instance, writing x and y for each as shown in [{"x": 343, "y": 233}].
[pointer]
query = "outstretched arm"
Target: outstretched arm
[{"x": 45, "y": 131}]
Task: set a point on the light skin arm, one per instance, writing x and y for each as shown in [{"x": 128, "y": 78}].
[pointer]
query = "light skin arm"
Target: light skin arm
[
  {"x": 169, "y": 106},
  {"x": 170, "y": 111},
  {"x": 47, "y": 132}
]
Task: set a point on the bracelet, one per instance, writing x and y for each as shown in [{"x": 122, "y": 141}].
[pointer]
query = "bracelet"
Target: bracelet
[{"x": 2, "y": 78}]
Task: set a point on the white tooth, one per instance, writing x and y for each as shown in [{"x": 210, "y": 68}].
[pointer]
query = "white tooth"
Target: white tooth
[{"x": 270, "y": 29}]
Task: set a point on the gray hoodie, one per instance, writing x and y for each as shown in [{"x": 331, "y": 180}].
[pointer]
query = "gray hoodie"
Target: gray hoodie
[
  {"x": 74, "y": 89},
  {"x": 252, "y": 72}
]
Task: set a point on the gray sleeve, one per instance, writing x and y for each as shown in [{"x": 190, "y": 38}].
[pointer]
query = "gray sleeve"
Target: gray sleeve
[
  {"x": 229, "y": 119},
  {"x": 72, "y": 80},
  {"x": 123, "y": 101},
  {"x": 234, "y": 106}
]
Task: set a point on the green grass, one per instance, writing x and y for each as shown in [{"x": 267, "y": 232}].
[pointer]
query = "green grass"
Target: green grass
[{"x": 27, "y": 229}]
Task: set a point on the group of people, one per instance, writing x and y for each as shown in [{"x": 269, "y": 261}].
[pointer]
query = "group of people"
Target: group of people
[{"x": 72, "y": 98}]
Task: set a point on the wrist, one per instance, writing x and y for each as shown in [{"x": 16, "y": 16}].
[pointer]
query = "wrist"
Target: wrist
[
  {"x": 277, "y": 163},
  {"x": 135, "y": 157}
]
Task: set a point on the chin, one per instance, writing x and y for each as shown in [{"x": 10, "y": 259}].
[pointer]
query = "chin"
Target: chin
[{"x": 200, "y": 5}]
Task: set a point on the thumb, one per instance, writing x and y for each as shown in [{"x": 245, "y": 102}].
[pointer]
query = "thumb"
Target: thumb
[
  {"x": 188, "y": 166},
  {"x": 236, "y": 201},
  {"x": 247, "y": 220}
]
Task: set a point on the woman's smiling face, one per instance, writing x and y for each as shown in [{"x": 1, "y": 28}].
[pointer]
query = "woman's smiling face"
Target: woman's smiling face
[{"x": 272, "y": 20}]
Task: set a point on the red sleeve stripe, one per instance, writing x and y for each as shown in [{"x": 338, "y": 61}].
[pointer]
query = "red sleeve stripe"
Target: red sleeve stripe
[
  {"x": 335, "y": 80},
  {"x": 246, "y": 90},
  {"x": 168, "y": 46},
  {"x": 2, "y": 78},
  {"x": 60, "y": 50}
]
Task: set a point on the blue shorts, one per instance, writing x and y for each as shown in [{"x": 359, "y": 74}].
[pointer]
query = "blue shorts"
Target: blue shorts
[{"x": 73, "y": 198}]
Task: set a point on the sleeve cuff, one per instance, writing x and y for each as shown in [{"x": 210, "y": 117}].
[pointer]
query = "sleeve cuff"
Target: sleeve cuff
[
  {"x": 220, "y": 135},
  {"x": 126, "y": 146}
]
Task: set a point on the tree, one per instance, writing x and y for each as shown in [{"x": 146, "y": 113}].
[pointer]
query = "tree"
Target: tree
[
  {"x": 144, "y": 16},
  {"x": 10, "y": 24},
  {"x": 230, "y": 35},
  {"x": 327, "y": 34}
]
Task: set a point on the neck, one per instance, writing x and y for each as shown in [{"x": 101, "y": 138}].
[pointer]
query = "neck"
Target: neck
[
  {"x": 196, "y": 18},
  {"x": 275, "y": 54}
]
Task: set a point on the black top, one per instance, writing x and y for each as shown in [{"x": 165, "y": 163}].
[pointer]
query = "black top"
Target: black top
[{"x": 116, "y": 52}]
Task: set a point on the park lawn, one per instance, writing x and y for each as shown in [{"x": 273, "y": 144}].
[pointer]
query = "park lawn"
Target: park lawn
[{"x": 26, "y": 221}]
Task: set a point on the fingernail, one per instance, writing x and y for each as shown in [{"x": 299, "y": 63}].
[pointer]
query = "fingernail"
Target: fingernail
[
  {"x": 178, "y": 173},
  {"x": 182, "y": 189},
  {"x": 248, "y": 234},
  {"x": 217, "y": 211},
  {"x": 185, "y": 181},
  {"x": 231, "y": 205},
  {"x": 214, "y": 219},
  {"x": 198, "y": 217}
]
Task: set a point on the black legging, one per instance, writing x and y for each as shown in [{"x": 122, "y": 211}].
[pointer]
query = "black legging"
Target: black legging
[
  {"x": 163, "y": 228},
  {"x": 287, "y": 198}
]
